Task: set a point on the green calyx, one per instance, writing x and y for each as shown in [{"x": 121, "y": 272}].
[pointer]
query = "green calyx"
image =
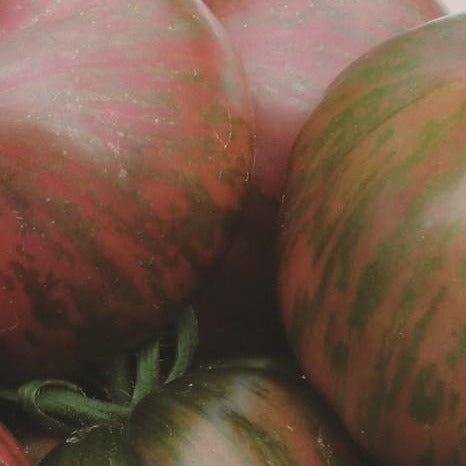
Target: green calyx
[{"x": 62, "y": 407}]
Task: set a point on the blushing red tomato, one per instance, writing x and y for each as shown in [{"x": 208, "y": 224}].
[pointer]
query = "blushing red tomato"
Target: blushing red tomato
[
  {"x": 125, "y": 149},
  {"x": 235, "y": 413}
]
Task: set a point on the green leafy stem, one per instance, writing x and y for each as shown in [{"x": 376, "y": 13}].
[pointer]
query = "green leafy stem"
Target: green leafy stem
[{"x": 62, "y": 407}]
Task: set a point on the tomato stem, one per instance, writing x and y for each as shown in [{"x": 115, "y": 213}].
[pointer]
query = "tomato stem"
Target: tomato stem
[
  {"x": 119, "y": 379},
  {"x": 187, "y": 341},
  {"x": 61, "y": 406},
  {"x": 148, "y": 371}
]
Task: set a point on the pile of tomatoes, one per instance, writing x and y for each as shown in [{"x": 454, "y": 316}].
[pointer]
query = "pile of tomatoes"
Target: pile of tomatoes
[{"x": 144, "y": 157}]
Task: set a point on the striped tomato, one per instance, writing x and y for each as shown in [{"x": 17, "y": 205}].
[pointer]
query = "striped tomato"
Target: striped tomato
[
  {"x": 373, "y": 248},
  {"x": 236, "y": 413},
  {"x": 292, "y": 50},
  {"x": 125, "y": 147}
]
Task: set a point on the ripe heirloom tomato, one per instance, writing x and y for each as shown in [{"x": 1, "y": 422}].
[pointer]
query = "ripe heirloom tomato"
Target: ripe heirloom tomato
[
  {"x": 235, "y": 413},
  {"x": 125, "y": 149},
  {"x": 373, "y": 247}
]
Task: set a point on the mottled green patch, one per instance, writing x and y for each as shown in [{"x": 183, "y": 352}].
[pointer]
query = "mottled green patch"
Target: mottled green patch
[
  {"x": 154, "y": 278},
  {"x": 304, "y": 307},
  {"x": 259, "y": 389},
  {"x": 432, "y": 134},
  {"x": 385, "y": 389},
  {"x": 329, "y": 330},
  {"x": 428, "y": 396},
  {"x": 20, "y": 193},
  {"x": 320, "y": 232},
  {"x": 345, "y": 129},
  {"x": 216, "y": 114},
  {"x": 351, "y": 125},
  {"x": 339, "y": 357},
  {"x": 209, "y": 400},
  {"x": 394, "y": 335},
  {"x": 341, "y": 254},
  {"x": 82, "y": 232},
  {"x": 331, "y": 148},
  {"x": 454, "y": 356},
  {"x": 379, "y": 273},
  {"x": 371, "y": 412},
  {"x": 373, "y": 284},
  {"x": 356, "y": 218},
  {"x": 42, "y": 291},
  {"x": 409, "y": 355},
  {"x": 193, "y": 76},
  {"x": 336, "y": 142},
  {"x": 453, "y": 403},
  {"x": 423, "y": 270},
  {"x": 270, "y": 448},
  {"x": 462, "y": 269},
  {"x": 169, "y": 427},
  {"x": 396, "y": 61},
  {"x": 456, "y": 457},
  {"x": 359, "y": 218},
  {"x": 197, "y": 230},
  {"x": 462, "y": 433},
  {"x": 13, "y": 189},
  {"x": 383, "y": 138},
  {"x": 428, "y": 457}
]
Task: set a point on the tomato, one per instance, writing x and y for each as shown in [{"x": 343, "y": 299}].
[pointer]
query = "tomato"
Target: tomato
[
  {"x": 125, "y": 149},
  {"x": 373, "y": 247},
  {"x": 292, "y": 50},
  {"x": 251, "y": 412},
  {"x": 10, "y": 452}
]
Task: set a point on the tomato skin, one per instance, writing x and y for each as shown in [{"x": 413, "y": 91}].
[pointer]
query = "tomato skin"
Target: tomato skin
[
  {"x": 10, "y": 451},
  {"x": 235, "y": 413},
  {"x": 291, "y": 50},
  {"x": 126, "y": 145},
  {"x": 373, "y": 247}
]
